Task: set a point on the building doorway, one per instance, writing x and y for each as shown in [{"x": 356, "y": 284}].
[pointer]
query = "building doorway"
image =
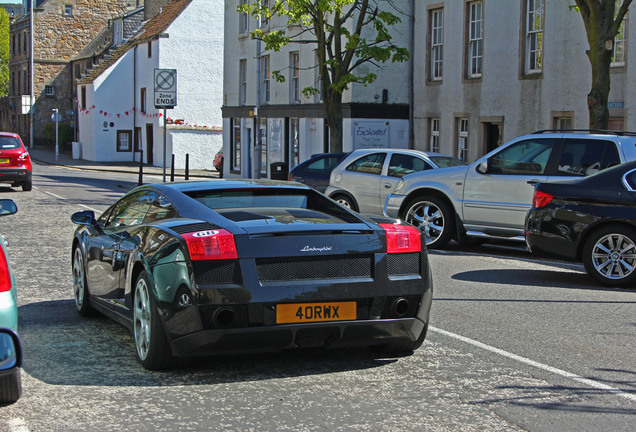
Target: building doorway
[{"x": 493, "y": 135}]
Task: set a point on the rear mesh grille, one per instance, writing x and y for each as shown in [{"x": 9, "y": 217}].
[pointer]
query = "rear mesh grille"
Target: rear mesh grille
[
  {"x": 289, "y": 269},
  {"x": 403, "y": 264},
  {"x": 217, "y": 272},
  {"x": 203, "y": 226}
]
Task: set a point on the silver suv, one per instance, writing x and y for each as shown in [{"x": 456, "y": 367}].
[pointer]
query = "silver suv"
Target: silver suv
[{"x": 490, "y": 197}]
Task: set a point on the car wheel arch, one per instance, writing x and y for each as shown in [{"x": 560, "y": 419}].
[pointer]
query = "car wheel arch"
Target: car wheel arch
[
  {"x": 590, "y": 231},
  {"x": 334, "y": 196},
  {"x": 420, "y": 193}
]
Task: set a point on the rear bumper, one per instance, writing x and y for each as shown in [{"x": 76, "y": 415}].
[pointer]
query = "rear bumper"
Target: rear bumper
[
  {"x": 277, "y": 338},
  {"x": 14, "y": 175}
]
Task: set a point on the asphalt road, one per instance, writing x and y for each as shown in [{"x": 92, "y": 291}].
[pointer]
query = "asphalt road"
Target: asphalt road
[{"x": 517, "y": 343}]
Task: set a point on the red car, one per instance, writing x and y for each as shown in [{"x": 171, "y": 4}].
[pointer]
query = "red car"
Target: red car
[
  {"x": 218, "y": 160},
  {"x": 15, "y": 162}
]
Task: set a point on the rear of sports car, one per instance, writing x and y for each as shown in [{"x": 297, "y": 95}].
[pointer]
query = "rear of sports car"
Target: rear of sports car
[{"x": 279, "y": 277}]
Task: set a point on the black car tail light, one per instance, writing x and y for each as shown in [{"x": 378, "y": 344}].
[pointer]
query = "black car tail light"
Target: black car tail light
[
  {"x": 402, "y": 238},
  {"x": 541, "y": 199},
  {"x": 5, "y": 277},
  {"x": 211, "y": 245}
]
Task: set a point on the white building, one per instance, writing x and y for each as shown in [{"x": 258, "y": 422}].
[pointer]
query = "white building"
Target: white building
[
  {"x": 292, "y": 125},
  {"x": 488, "y": 71},
  {"x": 116, "y": 100}
]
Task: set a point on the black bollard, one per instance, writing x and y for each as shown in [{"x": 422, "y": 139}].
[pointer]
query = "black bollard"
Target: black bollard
[
  {"x": 187, "y": 167},
  {"x": 141, "y": 168},
  {"x": 172, "y": 169}
]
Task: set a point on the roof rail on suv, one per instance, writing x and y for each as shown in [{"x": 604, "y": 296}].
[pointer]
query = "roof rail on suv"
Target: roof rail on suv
[{"x": 597, "y": 131}]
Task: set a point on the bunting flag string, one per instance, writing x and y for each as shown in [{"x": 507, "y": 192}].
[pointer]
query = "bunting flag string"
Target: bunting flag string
[{"x": 128, "y": 113}]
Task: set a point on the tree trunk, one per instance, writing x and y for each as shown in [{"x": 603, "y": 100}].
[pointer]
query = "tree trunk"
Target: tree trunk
[
  {"x": 597, "y": 98},
  {"x": 332, "y": 104}
]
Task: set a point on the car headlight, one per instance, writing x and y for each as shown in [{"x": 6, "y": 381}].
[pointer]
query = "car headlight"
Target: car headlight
[{"x": 399, "y": 186}]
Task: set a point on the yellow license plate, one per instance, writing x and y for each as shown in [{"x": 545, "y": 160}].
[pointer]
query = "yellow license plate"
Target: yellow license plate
[
  {"x": 315, "y": 312},
  {"x": 4, "y": 160}
]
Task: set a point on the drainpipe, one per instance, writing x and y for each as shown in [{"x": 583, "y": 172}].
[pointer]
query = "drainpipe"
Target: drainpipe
[
  {"x": 411, "y": 75},
  {"x": 259, "y": 140},
  {"x": 135, "y": 105}
]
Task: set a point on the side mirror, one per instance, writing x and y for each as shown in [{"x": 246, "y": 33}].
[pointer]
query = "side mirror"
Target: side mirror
[
  {"x": 10, "y": 363},
  {"x": 86, "y": 217},
  {"x": 482, "y": 168},
  {"x": 7, "y": 207}
]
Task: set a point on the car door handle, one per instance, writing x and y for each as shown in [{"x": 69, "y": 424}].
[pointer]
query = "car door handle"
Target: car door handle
[
  {"x": 388, "y": 185},
  {"x": 533, "y": 182}
]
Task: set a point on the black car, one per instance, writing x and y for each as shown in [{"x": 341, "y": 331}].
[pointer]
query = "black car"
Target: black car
[
  {"x": 591, "y": 220},
  {"x": 316, "y": 170},
  {"x": 226, "y": 266}
]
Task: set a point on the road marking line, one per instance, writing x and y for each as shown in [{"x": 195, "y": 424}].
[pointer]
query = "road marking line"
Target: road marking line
[
  {"x": 578, "y": 378},
  {"x": 54, "y": 195},
  {"x": 87, "y": 207}
]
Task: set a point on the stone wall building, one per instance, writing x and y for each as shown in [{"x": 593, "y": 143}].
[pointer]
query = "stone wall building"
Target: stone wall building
[
  {"x": 61, "y": 29},
  {"x": 489, "y": 71}
]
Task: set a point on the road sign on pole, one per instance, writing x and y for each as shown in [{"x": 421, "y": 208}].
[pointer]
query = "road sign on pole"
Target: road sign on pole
[{"x": 165, "y": 88}]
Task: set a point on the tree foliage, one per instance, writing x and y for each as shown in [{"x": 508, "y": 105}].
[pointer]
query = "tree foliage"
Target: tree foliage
[
  {"x": 5, "y": 23},
  {"x": 602, "y": 22},
  {"x": 346, "y": 34}
]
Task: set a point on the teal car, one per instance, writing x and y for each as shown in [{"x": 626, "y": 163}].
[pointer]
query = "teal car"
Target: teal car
[{"x": 8, "y": 295}]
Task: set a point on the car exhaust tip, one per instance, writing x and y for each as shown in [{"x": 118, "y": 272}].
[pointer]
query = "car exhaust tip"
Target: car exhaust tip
[
  {"x": 400, "y": 307},
  {"x": 225, "y": 316}
]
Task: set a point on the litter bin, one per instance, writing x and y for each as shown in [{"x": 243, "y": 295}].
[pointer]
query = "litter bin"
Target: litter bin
[
  {"x": 77, "y": 150},
  {"x": 279, "y": 171}
]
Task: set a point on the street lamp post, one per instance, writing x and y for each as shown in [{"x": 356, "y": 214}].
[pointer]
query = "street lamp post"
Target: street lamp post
[{"x": 31, "y": 108}]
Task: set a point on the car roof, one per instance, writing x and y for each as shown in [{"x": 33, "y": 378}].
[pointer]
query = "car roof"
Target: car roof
[
  {"x": 10, "y": 134},
  {"x": 399, "y": 150},
  {"x": 225, "y": 184}
]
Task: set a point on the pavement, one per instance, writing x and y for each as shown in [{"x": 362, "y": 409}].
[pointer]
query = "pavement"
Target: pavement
[{"x": 48, "y": 156}]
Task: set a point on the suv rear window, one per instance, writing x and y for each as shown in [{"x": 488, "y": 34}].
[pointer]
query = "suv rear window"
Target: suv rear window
[{"x": 581, "y": 157}]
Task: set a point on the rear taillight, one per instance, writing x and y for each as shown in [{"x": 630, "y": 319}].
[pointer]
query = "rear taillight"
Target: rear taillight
[
  {"x": 402, "y": 238},
  {"x": 23, "y": 156},
  {"x": 211, "y": 245},
  {"x": 541, "y": 199},
  {"x": 5, "y": 276}
]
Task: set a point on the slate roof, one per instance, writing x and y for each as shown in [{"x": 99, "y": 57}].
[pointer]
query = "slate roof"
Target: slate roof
[{"x": 149, "y": 31}]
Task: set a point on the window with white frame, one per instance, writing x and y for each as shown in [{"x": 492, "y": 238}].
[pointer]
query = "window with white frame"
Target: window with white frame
[
  {"x": 294, "y": 82},
  {"x": 436, "y": 55},
  {"x": 265, "y": 78},
  {"x": 534, "y": 36},
  {"x": 563, "y": 123},
  {"x": 264, "y": 18},
  {"x": 433, "y": 135},
  {"x": 618, "y": 54},
  {"x": 242, "y": 82},
  {"x": 462, "y": 139},
  {"x": 243, "y": 19},
  {"x": 475, "y": 38}
]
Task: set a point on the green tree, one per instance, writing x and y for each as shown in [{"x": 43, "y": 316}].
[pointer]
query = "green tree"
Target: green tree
[
  {"x": 4, "y": 52},
  {"x": 345, "y": 33},
  {"x": 602, "y": 23}
]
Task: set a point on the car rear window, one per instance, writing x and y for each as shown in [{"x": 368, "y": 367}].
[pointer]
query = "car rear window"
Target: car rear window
[
  {"x": 8, "y": 143},
  {"x": 251, "y": 198}
]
